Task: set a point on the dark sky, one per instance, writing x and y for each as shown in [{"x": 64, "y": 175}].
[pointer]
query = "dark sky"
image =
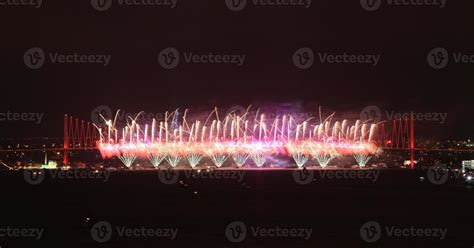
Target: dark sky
[{"x": 268, "y": 35}]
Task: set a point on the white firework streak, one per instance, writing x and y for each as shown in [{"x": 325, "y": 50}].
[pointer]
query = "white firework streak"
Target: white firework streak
[
  {"x": 128, "y": 159},
  {"x": 173, "y": 160},
  {"x": 194, "y": 159},
  {"x": 362, "y": 160},
  {"x": 156, "y": 160},
  {"x": 240, "y": 159},
  {"x": 259, "y": 159},
  {"x": 219, "y": 159},
  {"x": 300, "y": 159},
  {"x": 324, "y": 159}
]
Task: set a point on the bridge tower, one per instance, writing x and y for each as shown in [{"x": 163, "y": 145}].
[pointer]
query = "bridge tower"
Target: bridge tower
[
  {"x": 78, "y": 136},
  {"x": 412, "y": 143},
  {"x": 66, "y": 141}
]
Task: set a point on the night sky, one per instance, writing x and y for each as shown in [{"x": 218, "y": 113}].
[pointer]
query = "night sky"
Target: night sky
[{"x": 268, "y": 36}]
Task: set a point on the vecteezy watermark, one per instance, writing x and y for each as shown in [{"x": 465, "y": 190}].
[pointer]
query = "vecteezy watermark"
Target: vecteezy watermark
[
  {"x": 103, "y": 5},
  {"x": 375, "y": 114},
  {"x": 372, "y": 5},
  {"x": 237, "y": 232},
  {"x": 237, "y": 110},
  {"x": 172, "y": 176},
  {"x": 438, "y": 58},
  {"x": 305, "y": 176},
  {"x": 238, "y": 5},
  {"x": 35, "y": 58},
  {"x": 100, "y": 114},
  {"x": 27, "y": 117},
  {"x": 21, "y": 232},
  {"x": 103, "y": 232},
  {"x": 439, "y": 174},
  {"x": 35, "y": 177},
  {"x": 21, "y": 3},
  {"x": 169, "y": 58},
  {"x": 304, "y": 58},
  {"x": 372, "y": 231}
]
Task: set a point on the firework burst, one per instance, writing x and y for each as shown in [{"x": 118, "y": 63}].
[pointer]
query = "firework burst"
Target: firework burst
[
  {"x": 362, "y": 159},
  {"x": 194, "y": 159},
  {"x": 238, "y": 136},
  {"x": 127, "y": 159}
]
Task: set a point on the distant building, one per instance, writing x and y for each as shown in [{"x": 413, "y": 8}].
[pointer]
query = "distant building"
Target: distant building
[{"x": 467, "y": 165}]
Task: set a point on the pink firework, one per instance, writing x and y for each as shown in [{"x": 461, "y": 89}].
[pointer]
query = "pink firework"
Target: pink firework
[{"x": 238, "y": 137}]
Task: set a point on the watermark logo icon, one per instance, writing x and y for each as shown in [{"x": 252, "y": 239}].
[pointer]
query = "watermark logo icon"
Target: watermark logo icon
[
  {"x": 375, "y": 114},
  {"x": 371, "y": 113},
  {"x": 168, "y": 176},
  {"x": 371, "y": 231},
  {"x": 34, "y": 177},
  {"x": 237, "y": 110},
  {"x": 101, "y": 5},
  {"x": 99, "y": 112},
  {"x": 438, "y": 175},
  {"x": 304, "y": 176},
  {"x": 34, "y": 58},
  {"x": 101, "y": 232},
  {"x": 169, "y": 58},
  {"x": 236, "y": 232},
  {"x": 303, "y": 58},
  {"x": 438, "y": 58},
  {"x": 370, "y": 5},
  {"x": 236, "y": 5},
  {"x": 25, "y": 116}
]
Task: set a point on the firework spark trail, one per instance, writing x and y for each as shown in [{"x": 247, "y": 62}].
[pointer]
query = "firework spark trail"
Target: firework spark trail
[
  {"x": 127, "y": 159},
  {"x": 299, "y": 153},
  {"x": 259, "y": 159},
  {"x": 300, "y": 159},
  {"x": 219, "y": 159},
  {"x": 173, "y": 159},
  {"x": 240, "y": 136},
  {"x": 156, "y": 160},
  {"x": 240, "y": 159},
  {"x": 324, "y": 159},
  {"x": 362, "y": 159},
  {"x": 194, "y": 159}
]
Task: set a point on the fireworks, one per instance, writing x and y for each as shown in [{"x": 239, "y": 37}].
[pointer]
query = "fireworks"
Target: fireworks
[
  {"x": 127, "y": 159},
  {"x": 156, "y": 160},
  {"x": 240, "y": 159},
  {"x": 324, "y": 159},
  {"x": 258, "y": 158},
  {"x": 194, "y": 159},
  {"x": 173, "y": 160},
  {"x": 218, "y": 159},
  {"x": 300, "y": 159},
  {"x": 237, "y": 136},
  {"x": 362, "y": 159}
]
